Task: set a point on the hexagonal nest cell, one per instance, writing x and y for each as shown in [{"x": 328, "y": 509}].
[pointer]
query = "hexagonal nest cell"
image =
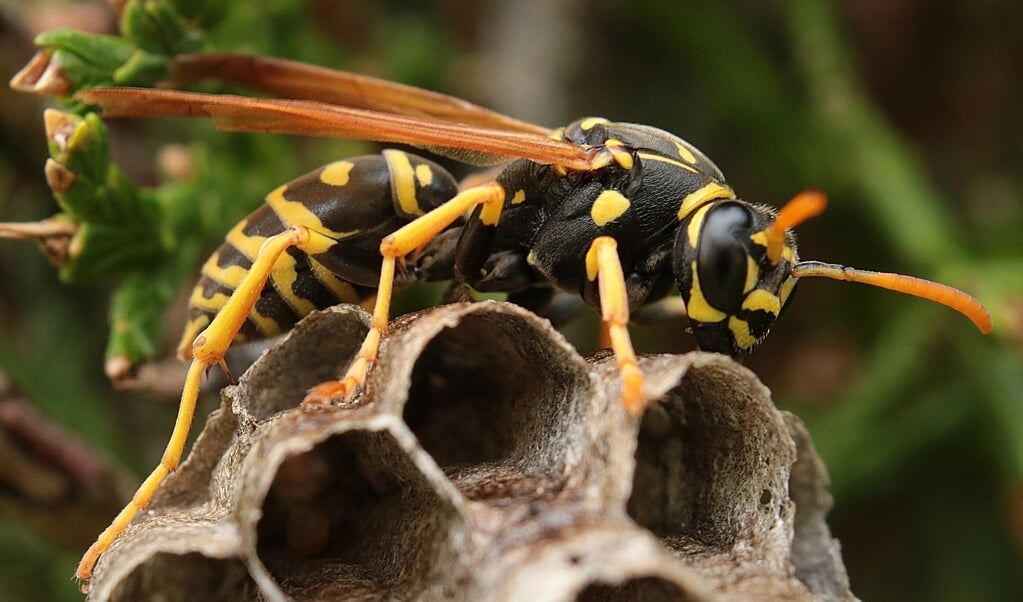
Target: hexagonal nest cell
[{"x": 486, "y": 460}]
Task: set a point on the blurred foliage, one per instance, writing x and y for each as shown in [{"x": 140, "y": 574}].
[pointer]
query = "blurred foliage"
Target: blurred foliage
[{"x": 909, "y": 114}]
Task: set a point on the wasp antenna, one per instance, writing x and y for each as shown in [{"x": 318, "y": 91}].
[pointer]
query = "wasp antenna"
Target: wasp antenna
[
  {"x": 909, "y": 285},
  {"x": 802, "y": 207}
]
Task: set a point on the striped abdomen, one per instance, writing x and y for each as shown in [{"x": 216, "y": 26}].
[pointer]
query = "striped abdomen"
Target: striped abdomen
[{"x": 356, "y": 202}]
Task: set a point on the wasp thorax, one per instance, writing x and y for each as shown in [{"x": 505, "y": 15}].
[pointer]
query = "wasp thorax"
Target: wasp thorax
[{"x": 732, "y": 291}]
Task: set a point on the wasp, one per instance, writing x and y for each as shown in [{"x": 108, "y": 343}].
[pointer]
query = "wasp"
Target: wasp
[{"x": 620, "y": 214}]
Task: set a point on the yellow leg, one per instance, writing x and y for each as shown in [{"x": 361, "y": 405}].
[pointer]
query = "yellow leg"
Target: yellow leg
[
  {"x": 602, "y": 263},
  {"x": 211, "y": 344},
  {"x": 207, "y": 351},
  {"x": 398, "y": 244},
  {"x": 169, "y": 462}
]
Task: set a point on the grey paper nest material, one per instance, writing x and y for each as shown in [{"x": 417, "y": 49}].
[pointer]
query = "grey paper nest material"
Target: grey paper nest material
[{"x": 486, "y": 461}]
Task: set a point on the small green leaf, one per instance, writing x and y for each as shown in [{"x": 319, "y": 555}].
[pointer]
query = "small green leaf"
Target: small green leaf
[
  {"x": 203, "y": 13},
  {"x": 118, "y": 224},
  {"x": 140, "y": 68},
  {"x": 136, "y": 316},
  {"x": 157, "y": 28},
  {"x": 101, "y": 52},
  {"x": 89, "y": 60}
]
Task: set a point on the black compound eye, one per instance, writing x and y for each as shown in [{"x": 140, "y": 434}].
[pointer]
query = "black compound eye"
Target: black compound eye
[{"x": 721, "y": 256}]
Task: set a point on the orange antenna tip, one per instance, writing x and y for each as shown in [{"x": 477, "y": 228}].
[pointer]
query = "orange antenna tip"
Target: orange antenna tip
[
  {"x": 802, "y": 207},
  {"x": 909, "y": 285}
]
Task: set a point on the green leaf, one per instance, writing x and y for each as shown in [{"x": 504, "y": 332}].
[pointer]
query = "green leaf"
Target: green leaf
[
  {"x": 157, "y": 28},
  {"x": 136, "y": 315},
  {"x": 89, "y": 60}
]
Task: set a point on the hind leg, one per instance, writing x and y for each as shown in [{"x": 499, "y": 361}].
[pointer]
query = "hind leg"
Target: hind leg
[
  {"x": 414, "y": 235},
  {"x": 207, "y": 351}
]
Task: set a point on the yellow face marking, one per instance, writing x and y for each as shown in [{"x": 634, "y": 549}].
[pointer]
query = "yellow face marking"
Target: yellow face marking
[
  {"x": 759, "y": 238},
  {"x": 788, "y": 252},
  {"x": 531, "y": 258},
  {"x": 424, "y": 175},
  {"x": 709, "y": 192},
  {"x": 609, "y": 206},
  {"x": 558, "y": 134},
  {"x": 295, "y": 213},
  {"x": 678, "y": 164},
  {"x": 744, "y": 339},
  {"x": 686, "y": 154},
  {"x": 786, "y": 290},
  {"x": 403, "y": 181},
  {"x": 695, "y": 225},
  {"x": 752, "y": 275},
  {"x": 761, "y": 300},
  {"x": 698, "y": 308},
  {"x": 590, "y": 122},
  {"x": 337, "y": 173},
  {"x": 518, "y": 197}
]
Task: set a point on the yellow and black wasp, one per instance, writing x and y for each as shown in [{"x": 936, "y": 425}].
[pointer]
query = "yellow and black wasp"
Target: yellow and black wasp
[{"x": 619, "y": 214}]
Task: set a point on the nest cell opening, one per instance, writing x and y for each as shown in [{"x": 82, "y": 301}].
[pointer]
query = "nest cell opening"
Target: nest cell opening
[
  {"x": 711, "y": 462},
  {"x": 189, "y": 576},
  {"x": 323, "y": 345},
  {"x": 641, "y": 589},
  {"x": 354, "y": 505},
  {"x": 492, "y": 395}
]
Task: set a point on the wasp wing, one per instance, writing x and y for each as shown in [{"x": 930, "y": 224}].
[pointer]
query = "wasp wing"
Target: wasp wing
[
  {"x": 470, "y": 144},
  {"x": 300, "y": 81}
]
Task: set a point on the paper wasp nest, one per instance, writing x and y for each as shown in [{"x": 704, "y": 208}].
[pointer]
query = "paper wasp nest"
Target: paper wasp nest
[{"x": 486, "y": 461}]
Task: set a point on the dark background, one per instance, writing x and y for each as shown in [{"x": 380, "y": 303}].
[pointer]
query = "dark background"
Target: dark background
[{"x": 908, "y": 113}]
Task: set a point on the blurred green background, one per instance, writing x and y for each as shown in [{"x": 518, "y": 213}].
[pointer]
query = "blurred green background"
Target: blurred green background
[{"x": 908, "y": 113}]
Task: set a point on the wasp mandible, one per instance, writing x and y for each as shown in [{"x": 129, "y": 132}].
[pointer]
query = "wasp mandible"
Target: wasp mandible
[{"x": 619, "y": 214}]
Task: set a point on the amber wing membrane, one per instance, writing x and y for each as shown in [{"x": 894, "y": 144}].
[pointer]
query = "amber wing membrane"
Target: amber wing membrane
[
  {"x": 328, "y": 103},
  {"x": 301, "y": 81}
]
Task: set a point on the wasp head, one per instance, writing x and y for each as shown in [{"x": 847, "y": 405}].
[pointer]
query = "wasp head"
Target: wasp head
[
  {"x": 736, "y": 267},
  {"x": 733, "y": 265}
]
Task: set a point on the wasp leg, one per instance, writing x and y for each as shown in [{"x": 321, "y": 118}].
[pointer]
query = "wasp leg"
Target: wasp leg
[
  {"x": 207, "y": 351},
  {"x": 603, "y": 265},
  {"x": 410, "y": 237}
]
